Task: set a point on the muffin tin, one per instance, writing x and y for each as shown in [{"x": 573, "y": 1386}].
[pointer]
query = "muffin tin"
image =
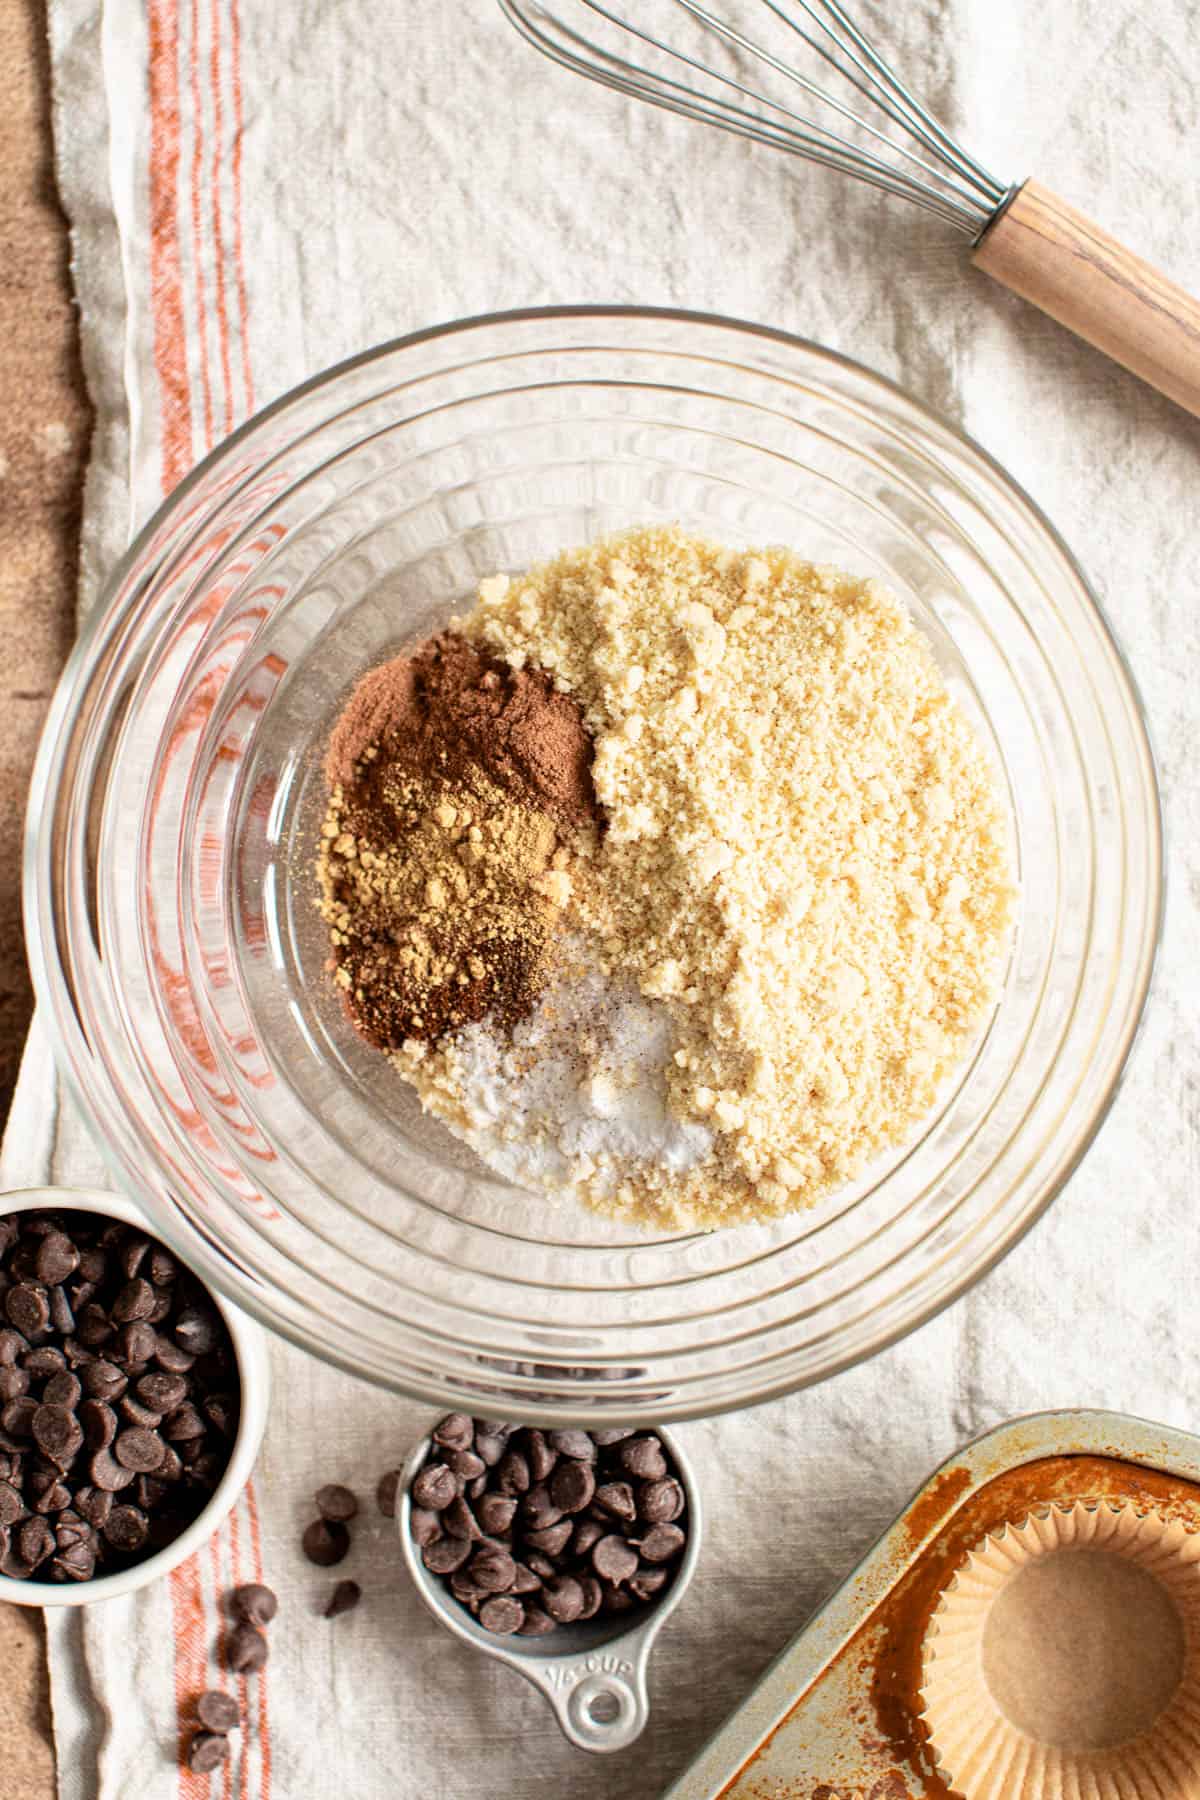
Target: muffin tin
[{"x": 840, "y": 1711}]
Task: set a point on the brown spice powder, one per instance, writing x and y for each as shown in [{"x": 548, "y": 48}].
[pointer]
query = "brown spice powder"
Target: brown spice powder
[{"x": 457, "y": 792}]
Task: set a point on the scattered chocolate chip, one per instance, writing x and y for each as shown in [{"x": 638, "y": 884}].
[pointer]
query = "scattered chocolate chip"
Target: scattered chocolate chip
[
  {"x": 385, "y": 1493},
  {"x": 246, "y": 1649},
  {"x": 335, "y": 1502},
  {"x": 254, "y": 1603},
  {"x": 217, "y": 1711},
  {"x": 325, "y": 1542},
  {"x": 207, "y": 1751},
  {"x": 344, "y": 1598}
]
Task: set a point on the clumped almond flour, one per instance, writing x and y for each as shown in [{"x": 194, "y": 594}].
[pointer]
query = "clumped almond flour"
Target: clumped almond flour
[{"x": 803, "y": 889}]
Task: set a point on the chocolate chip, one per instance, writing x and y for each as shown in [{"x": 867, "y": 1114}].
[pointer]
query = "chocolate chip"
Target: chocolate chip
[
  {"x": 613, "y": 1558},
  {"x": 126, "y": 1528},
  {"x": 185, "y": 1422},
  {"x": 643, "y": 1457},
  {"x": 139, "y": 1450},
  {"x": 587, "y": 1533},
  {"x": 57, "y": 1259},
  {"x": 102, "y": 1380},
  {"x": 445, "y": 1555},
  {"x": 488, "y": 1448},
  {"x": 459, "y": 1520},
  {"x": 135, "y": 1344},
  {"x": 246, "y": 1649},
  {"x": 493, "y": 1570},
  {"x": 512, "y": 1474},
  {"x": 222, "y": 1410},
  {"x": 648, "y": 1582},
  {"x": 593, "y": 1596},
  {"x": 659, "y": 1502},
  {"x": 604, "y": 1440},
  {"x": 538, "y": 1509},
  {"x": 94, "y": 1504},
  {"x": 172, "y": 1356},
  {"x": 149, "y": 1493},
  {"x": 12, "y": 1345},
  {"x": 162, "y": 1266},
  {"x": 574, "y": 1443},
  {"x": 217, "y": 1711},
  {"x": 35, "y": 1542},
  {"x": 541, "y": 1566},
  {"x": 62, "y": 1389},
  {"x": 99, "y": 1423},
  {"x": 62, "y": 1318},
  {"x": 27, "y": 1308},
  {"x": 553, "y": 1540},
  {"x": 425, "y": 1526},
  {"x": 18, "y": 1416},
  {"x": 541, "y": 1457},
  {"x": 254, "y": 1603},
  {"x": 12, "y": 1507},
  {"x": 44, "y": 1362},
  {"x": 344, "y": 1598},
  {"x": 54, "y": 1499},
  {"x": 13, "y": 1383},
  {"x": 495, "y": 1513},
  {"x": 572, "y": 1486},
  {"x": 465, "y": 1464},
  {"x": 135, "y": 1301},
  {"x": 563, "y": 1598},
  {"x": 335, "y": 1502},
  {"x": 502, "y": 1614},
  {"x": 386, "y": 1492},
  {"x": 133, "y": 1412},
  {"x": 616, "y": 1498},
  {"x": 93, "y": 1326},
  {"x": 207, "y": 1751},
  {"x": 435, "y": 1487},
  {"x": 107, "y": 1473},
  {"x": 454, "y": 1432},
  {"x": 536, "y": 1622},
  {"x": 661, "y": 1543},
  {"x": 75, "y": 1562},
  {"x": 196, "y": 1331},
  {"x": 161, "y": 1392},
  {"x": 133, "y": 1254},
  {"x": 525, "y": 1581},
  {"x": 325, "y": 1542}
]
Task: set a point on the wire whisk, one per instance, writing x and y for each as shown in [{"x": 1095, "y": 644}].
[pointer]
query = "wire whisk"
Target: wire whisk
[{"x": 853, "y": 113}]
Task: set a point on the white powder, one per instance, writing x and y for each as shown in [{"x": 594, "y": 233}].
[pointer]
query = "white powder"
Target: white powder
[{"x": 577, "y": 1097}]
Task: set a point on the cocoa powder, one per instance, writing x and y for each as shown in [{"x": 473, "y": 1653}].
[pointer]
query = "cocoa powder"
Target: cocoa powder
[
  {"x": 458, "y": 790},
  {"x": 452, "y": 709}
]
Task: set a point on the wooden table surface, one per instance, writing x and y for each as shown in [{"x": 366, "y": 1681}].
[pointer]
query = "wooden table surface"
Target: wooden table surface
[{"x": 43, "y": 441}]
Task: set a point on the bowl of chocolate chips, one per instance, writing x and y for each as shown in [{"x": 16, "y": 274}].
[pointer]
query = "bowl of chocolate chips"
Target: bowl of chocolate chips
[{"x": 132, "y": 1401}]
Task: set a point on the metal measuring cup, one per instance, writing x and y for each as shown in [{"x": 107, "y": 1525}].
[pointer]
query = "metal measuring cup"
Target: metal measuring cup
[{"x": 595, "y": 1676}]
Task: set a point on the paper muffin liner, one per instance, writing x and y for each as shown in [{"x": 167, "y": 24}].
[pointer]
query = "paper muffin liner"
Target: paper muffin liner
[{"x": 983, "y": 1752}]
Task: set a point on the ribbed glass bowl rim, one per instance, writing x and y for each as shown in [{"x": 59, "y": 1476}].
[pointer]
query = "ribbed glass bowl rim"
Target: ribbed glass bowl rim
[{"x": 74, "y": 1056}]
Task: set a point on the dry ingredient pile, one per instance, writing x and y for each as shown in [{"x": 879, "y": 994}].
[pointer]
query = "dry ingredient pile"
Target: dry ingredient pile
[{"x": 695, "y": 905}]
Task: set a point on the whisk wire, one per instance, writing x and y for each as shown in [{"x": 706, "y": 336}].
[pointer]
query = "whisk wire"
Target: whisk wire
[
  {"x": 673, "y": 96},
  {"x": 945, "y": 181},
  {"x": 738, "y": 39}
]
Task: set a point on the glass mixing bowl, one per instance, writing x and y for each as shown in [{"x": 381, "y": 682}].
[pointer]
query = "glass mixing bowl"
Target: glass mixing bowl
[{"x": 178, "y": 955}]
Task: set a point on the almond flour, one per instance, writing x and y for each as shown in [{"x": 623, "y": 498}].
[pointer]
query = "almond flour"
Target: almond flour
[{"x": 805, "y": 870}]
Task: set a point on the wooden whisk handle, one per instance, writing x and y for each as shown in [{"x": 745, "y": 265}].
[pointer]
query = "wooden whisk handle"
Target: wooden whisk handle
[{"x": 1056, "y": 257}]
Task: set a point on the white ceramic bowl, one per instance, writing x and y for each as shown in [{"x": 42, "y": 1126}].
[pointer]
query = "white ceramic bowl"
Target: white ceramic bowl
[{"x": 249, "y": 1347}]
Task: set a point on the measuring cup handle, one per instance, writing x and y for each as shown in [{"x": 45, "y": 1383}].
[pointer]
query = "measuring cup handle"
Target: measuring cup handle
[{"x": 600, "y": 1701}]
